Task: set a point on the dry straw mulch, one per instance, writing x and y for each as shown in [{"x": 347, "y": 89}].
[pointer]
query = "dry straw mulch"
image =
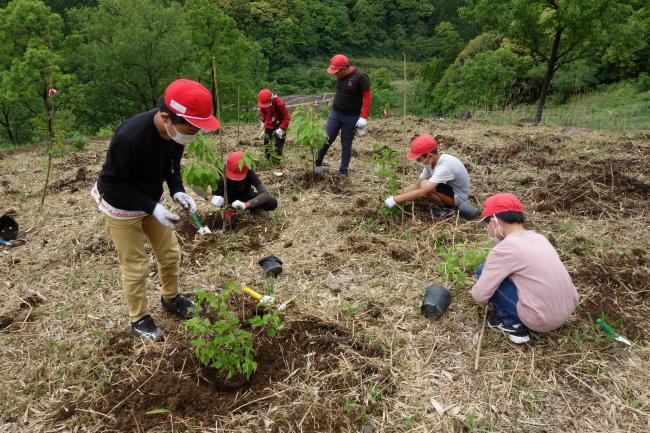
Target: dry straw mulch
[{"x": 357, "y": 355}]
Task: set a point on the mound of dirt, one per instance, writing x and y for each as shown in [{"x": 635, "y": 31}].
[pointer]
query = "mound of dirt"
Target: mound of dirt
[{"x": 171, "y": 379}]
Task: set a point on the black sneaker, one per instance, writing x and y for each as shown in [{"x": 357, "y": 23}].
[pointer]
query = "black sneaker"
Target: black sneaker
[
  {"x": 179, "y": 305},
  {"x": 518, "y": 334},
  {"x": 147, "y": 329},
  {"x": 440, "y": 213}
]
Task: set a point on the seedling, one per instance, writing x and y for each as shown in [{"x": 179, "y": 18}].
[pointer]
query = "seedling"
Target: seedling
[
  {"x": 310, "y": 133},
  {"x": 220, "y": 342},
  {"x": 385, "y": 162},
  {"x": 458, "y": 260}
]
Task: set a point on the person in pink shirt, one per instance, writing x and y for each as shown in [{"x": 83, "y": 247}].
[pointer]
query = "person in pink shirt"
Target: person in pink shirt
[{"x": 522, "y": 278}]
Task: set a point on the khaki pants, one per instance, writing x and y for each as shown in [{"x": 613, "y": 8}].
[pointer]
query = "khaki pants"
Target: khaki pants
[{"x": 128, "y": 237}]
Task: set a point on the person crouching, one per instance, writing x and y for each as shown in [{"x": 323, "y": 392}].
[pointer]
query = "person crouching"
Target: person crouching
[{"x": 522, "y": 278}]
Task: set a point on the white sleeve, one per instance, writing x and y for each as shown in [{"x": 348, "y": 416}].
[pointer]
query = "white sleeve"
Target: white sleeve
[{"x": 442, "y": 174}]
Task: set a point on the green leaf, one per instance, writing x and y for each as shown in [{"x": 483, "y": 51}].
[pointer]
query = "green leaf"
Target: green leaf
[{"x": 158, "y": 411}]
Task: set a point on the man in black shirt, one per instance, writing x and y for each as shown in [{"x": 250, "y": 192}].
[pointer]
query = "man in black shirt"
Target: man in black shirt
[
  {"x": 349, "y": 111},
  {"x": 146, "y": 150}
]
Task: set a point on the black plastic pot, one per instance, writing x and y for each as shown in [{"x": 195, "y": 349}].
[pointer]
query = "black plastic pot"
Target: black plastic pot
[
  {"x": 436, "y": 301},
  {"x": 8, "y": 228},
  {"x": 271, "y": 265}
]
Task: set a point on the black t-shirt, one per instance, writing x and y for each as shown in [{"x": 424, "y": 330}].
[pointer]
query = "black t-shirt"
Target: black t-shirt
[
  {"x": 137, "y": 162},
  {"x": 238, "y": 188},
  {"x": 348, "y": 99}
]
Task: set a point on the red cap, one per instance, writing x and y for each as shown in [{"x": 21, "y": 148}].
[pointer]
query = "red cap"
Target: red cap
[
  {"x": 501, "y": 203},
  {"x": 264, "y": 98},
  {"x": 193, "y": 102},
  {"x": 233, "y": 172},
  {"x": 422, "y": 145},
  {"x": 337, "y": 63}
]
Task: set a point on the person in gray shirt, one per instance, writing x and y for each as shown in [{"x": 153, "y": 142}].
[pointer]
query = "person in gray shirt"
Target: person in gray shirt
[{"x": 444, "y": 178}]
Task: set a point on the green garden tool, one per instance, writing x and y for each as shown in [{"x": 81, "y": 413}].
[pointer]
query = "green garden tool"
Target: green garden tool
[
  {"x": 203, "y": 230},
  {"x": 615, "y": 335}
]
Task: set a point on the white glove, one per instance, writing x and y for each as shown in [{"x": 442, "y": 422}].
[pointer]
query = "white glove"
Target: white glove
[
  {"x": 217, "y": 200},
  {"x": 390, "y": 201},
  {"x": 361, "y": 123},
  {"x": 279, "y": 132},
  {"x": 266, "y": 299},
  {"x": 186, "y": 201},
  {"x": 164, "y": 216},
  {"x": 262, "y": 125},
  {"x": 238, "y": 204}
]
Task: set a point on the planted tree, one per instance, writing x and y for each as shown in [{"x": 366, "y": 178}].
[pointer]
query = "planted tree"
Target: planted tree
[
  {"x": 208, "y": 165},
  {"x": 310, "y": 133},
  {"x": 385, "y": 161},
  {"x": 219, "y": 341},
  {"x": 458, "y": 260}
]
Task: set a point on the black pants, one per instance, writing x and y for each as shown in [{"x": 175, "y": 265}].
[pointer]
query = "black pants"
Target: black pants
[
  {"x": 273, "y": 145},
  {"x": 269, "y": 204}
]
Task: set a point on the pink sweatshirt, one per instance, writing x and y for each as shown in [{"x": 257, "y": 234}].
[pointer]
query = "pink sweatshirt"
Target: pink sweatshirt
[{"x": 547, "y": 296}]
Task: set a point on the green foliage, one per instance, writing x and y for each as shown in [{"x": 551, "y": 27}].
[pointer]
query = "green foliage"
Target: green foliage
[
  {"x": 447, "y": 44},
  {"x": 220, "y": 342},
  {"x": 460, "y": 259},
  {"x": 310, "y": 133},
  {"x": 643, "y": 82},
  {"x": 126, "y": 71},
  {"x": 489, "y": 79},
  {"x": 207, "y": 164},
  {"x": 580, "y": 78},
  {"x": 385, "y": 161},
  {"x": 240, "y": 61},
  {"x": 551, "y": 32},
  {"x": 31, "y": 37}
]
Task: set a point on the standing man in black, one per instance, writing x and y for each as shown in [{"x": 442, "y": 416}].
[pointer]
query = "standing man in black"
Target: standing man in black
[
  {"x": 349, "y": 111},
  {"x": 146, "y": 151}
]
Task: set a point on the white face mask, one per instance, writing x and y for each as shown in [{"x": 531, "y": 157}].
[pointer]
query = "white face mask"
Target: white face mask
[
  {"x": 494, "y": 237},
  {"x": 180, "y": 138}
]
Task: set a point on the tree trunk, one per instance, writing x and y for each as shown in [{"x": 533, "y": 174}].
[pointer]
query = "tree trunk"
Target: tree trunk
[{"x": 549, "y": 75}]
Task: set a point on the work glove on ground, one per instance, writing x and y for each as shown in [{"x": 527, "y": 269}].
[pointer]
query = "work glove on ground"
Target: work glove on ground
[
  {"x": 279, "y": 132},
  {"x": 237, "y": 204},
  {"x": 361, "y": 123},
  {"x": 165, "y": 217},
  {"x": 186, "y": 201},
  {"x": 390, "y": 201},
  {"x": 217, "y": 200}
]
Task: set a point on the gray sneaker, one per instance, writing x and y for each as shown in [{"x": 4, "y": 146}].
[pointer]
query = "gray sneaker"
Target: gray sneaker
[
  {"x": 147, "y": 329},
  {"x": 179, "y": 305}
]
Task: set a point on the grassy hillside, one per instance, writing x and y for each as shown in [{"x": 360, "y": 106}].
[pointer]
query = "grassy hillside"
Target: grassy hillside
[{"x": 617, "y": 107}]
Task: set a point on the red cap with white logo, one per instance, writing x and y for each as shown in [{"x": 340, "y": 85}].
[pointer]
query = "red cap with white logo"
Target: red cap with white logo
[{"x": 193, "y": 102}]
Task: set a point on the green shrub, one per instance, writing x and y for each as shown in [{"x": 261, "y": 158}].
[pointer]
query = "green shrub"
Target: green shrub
[
  {"x": 489, "y": 79},
  {"x": 643, "y": 82}
]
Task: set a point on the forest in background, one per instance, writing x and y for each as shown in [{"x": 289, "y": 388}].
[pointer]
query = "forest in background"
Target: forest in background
[{"x": 110, "y": 59}]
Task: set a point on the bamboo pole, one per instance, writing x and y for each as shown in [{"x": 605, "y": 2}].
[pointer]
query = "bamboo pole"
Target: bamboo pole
[
  {"x": 49, "y": 114},
  {"x": 223, "y": 175}
]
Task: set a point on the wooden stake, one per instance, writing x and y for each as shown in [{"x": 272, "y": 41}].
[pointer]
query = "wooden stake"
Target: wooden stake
[
  {"x": 404, "y": 103},
  {"x": 238, "y": 115},
  {"x": 480, "y": 339},
  {"x": 49, "y": 113},
  {"x": 405, "y": 78},
  {"x": 223, "y": 175}
]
